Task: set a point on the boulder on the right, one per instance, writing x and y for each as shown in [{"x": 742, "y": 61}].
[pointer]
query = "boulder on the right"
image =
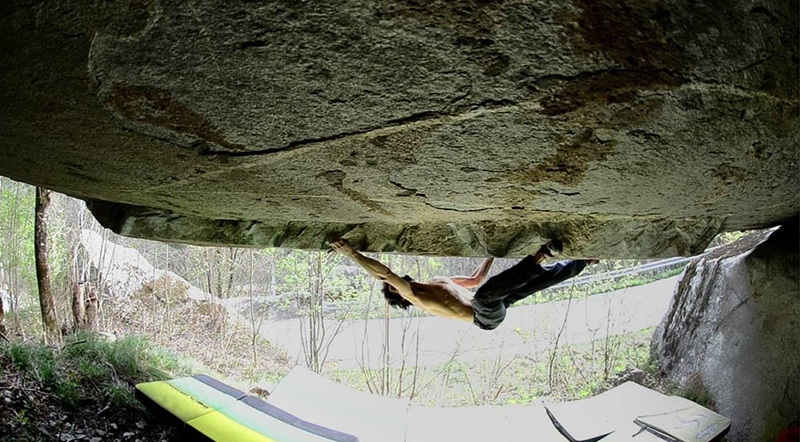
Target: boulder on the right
[{"x": 730, "y": 336}]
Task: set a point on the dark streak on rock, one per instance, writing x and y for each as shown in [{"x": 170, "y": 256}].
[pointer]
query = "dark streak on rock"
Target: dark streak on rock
[
  {"x": 633, "y": 33},
  {"x": 83, "y": 176},
  {"x": 569, "y": 163},
  {"x": 491, "y": 104},
  {"x": 607, "y": 88},
  {"x": 450, "y": 209},
  {"x": 159, "y": 108},
  {"x": 335, "y": 179},
  {"x": 405, "y": 191},
  {"x": 399, "y": 237},
  {"x": 492, "y": 63},
  {"x": 75, "y": 166},
  {"x": 637, "y": 35},
  {"x": 251, "y": 44},
  {"x": 421, "y": 116}
]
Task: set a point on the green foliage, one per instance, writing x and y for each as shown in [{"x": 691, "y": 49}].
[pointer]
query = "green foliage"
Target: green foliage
[
  {"x": 29, "y": 320},
  {"x": 132, "y": 358},
  {"x": 119, "y": 394},
  {"x": 37, "y": 360},
  {"x": 68, "y": 390},
  {"x": 26, "y": 426},
  {"x": 727, "y": 238},
  {"x": 17, "y": 260},
  {"x": 89, "y": 362},
  {"x": 695, "y": 390}
]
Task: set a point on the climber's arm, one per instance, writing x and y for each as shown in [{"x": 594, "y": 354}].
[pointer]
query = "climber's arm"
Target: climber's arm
[{"x": 477, "y": 277}]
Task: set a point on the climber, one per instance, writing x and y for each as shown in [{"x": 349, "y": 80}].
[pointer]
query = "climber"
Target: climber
[{"x": 448, "y": 297}]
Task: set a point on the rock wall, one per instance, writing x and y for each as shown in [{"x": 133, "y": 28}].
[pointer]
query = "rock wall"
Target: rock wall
[
  {"x": 124, "y": 271},
  {"x": 732, "y": 331},
  {"x": 627, "y": 128}
]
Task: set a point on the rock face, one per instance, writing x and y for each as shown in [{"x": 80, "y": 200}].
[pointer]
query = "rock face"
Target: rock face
[
  {"x": 124, "y": 272},
  {"x": 732, "y": 330},
  {"x": 628, "y": 128}
]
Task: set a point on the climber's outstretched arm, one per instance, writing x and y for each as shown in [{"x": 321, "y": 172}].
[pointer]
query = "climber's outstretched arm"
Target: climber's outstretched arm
[
  {"x": 477, "y": 277},
  {"x": 375, "y": 268}
]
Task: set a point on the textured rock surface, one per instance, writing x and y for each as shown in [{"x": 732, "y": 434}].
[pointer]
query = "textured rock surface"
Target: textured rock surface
[
  {"x": 732, "y": 328},
  {"x": 628, "y": 128}
]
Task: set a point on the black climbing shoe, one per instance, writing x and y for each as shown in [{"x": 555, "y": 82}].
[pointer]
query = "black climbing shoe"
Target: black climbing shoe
[{"x": 554, "y": 247}]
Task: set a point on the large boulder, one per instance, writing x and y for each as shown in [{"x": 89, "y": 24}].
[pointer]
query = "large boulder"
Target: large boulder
[
  {"x": 731, "y": 333},
  {"x": 628, "y": 128}
]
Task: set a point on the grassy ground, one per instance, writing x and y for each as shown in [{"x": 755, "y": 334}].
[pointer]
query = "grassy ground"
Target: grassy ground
[
  {"x": 558, "y": 374},
  {"x": 80, "y": 391},
  {"x": 84, "y": 389}
]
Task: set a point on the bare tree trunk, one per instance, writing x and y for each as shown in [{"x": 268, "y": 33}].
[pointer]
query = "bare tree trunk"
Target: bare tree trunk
[
  {"x": 254, "y": 329},
  {"x": 2, "y": 313},
  {"x": 43, "y": 269},
  {"x": 92, "y": 305},
  {"x": 78, "y": 307},
  {"x": 78, "y": 292}
]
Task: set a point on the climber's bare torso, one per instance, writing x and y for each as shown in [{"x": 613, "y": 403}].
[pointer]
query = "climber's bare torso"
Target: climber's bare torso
[
  {"x": 446, "y": 297},
  {"x": 442, "y": 297}
]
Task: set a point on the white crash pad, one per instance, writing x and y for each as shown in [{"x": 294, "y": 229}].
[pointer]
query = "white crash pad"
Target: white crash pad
[
  {"x": 685, "y": 422},
  {"x": 628, "y": 412},
  {"x": 479, "y": 424},
  {"x": 620, "y": 414},
  {"x": 369, "y": 417}
]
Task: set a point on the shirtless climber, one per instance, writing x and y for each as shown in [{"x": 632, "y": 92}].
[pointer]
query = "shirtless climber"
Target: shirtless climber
[{"x": 448, "y": 297}]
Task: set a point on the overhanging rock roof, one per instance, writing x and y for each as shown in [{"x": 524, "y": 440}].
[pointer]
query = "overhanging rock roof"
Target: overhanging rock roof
[{"x": 628, "y": 129}]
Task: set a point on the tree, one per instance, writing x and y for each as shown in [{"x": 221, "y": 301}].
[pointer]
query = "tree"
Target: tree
[
  {"x": 307, "y": 279},
  {"x": 46, "y": 302},
  {"x": 256, "y": 309}
]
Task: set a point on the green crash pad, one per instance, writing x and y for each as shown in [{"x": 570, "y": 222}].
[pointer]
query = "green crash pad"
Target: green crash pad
[{"x": 209, "y": 410}]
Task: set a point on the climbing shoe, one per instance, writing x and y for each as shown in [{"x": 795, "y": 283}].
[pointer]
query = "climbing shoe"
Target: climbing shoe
[{"x": 553, "y": 248}]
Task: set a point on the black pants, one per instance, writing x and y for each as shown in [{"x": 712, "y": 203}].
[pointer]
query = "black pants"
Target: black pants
[{"x": 520, "y": 281}]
